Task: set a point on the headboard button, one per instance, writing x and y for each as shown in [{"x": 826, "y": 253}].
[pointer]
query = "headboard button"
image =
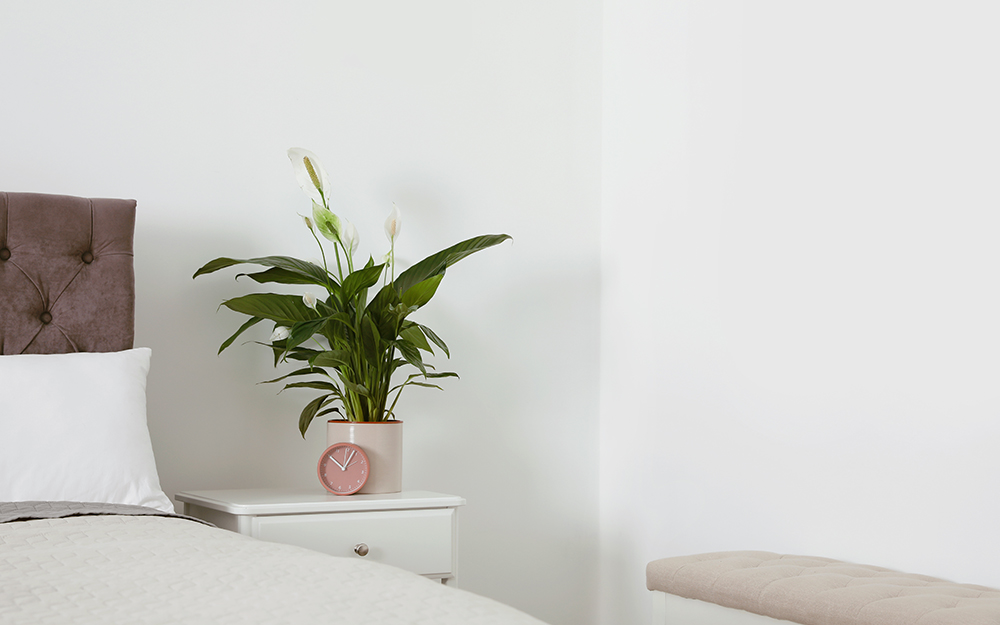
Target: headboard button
[
  {"x": 4, "y": 254},
  {"x": 46, "y": 317},
  {"x": 88, "y": 257}
]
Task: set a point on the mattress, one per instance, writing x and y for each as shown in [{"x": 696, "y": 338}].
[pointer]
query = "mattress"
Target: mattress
[{"x": 86, "y": 565}]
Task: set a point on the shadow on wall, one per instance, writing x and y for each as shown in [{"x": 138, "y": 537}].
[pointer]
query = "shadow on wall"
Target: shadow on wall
[
  {"x": 521, "y": 447},
  {"x": 212, "y": 424}
]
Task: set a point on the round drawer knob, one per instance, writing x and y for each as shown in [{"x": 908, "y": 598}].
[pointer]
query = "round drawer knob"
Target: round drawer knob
[{"x": 361, "y": 549}]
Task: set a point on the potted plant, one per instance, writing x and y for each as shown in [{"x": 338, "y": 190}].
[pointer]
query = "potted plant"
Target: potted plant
[{"x": 357, "y": 333}]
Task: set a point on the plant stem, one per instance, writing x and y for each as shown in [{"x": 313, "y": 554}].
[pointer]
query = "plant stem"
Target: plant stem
[
  {"x": 323, "y": 254},
  {"x": 340, "y": 270}
]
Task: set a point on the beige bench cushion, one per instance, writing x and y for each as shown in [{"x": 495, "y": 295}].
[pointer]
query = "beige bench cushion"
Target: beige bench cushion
[{"x": 820, "y": 591}]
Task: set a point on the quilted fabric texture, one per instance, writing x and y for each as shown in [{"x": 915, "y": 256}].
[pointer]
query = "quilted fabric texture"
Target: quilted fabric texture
[
  {"x": 115, "y": 569},
  {"x": 820, "y": 591},
  {"x": 66, "y": 277}
]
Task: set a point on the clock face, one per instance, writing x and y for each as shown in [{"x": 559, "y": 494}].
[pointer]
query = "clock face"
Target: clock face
[{"x": 343, "y": 468}]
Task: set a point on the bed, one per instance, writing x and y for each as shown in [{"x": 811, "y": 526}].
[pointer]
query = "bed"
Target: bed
[{"x": 86, "y": 533}]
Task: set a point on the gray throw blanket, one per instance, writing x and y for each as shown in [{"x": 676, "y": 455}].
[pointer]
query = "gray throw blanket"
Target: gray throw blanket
[{"x": 28, "y": 510}]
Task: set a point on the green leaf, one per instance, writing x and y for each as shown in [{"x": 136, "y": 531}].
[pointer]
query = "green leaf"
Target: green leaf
[
  {"x": 425, "y": 385},
  {"x": 437, "y": 263},
  {"x": 277, "y": 350},
  {"x": 411, "y": 354},
  {"x": 282, "y": 276},
  {"x": 302, "y": 332},
  {"x": 302, "y": 353},
  {"x": 316, "y": 384},
  {"x": 442, "y": 374},
  {"x": 370, "y": 340},
  {"x": 410, "y": 382},
  {"x": 379, "y": 312},
  {"x": 385, "y": 299},
  {"x": 396, "y": 364},
  {"x": 309, "y": 413},
  {"x": 361, "y": 279},
  {"x": 351, "y": 386},
  {"x": 282, "y": 309},
  {"x": 435, "y": 339},
  {"x": 422, "y": 292},
  {"x": 307, "y": 270},
  {"x": 217, "y": 264},
  {"x": 386, "y": 328},
  {"x": 307, "y": 371},
  {"x": 243, "y": 328},
  {"x": 413, "y": 335},
  {"x": 341, "y": 317},
  {"x": 332, "y": 358}
]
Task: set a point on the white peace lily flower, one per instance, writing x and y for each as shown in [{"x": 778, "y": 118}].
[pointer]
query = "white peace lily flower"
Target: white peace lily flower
[
  {"x": 310, "y": 175},
  {"x": 393, "y": 224},
  {"x": 349, "y": 236},
  {"x": 309, "y": 300},
  {"x": 308, "y": 222},
  {"x": 280, "y": 334}
]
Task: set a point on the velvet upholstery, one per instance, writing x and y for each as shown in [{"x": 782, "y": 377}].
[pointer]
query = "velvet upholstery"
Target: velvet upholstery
[{"x": 66, "y": 278}]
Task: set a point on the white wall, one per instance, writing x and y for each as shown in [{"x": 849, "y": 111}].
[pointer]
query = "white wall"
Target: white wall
[
  {"x": 797, "y": 269},
  {"x": 799, "y": 335},
  {"x": 472, "y": 117}
]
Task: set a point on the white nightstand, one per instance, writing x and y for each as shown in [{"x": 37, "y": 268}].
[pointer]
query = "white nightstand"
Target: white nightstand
[{"x": 414, "y": 530}]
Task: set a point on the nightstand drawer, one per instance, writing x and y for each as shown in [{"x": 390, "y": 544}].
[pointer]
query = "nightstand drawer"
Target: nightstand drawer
[
  {"x": 414, "y": 530},
  {"x": 416, "y": 540}
]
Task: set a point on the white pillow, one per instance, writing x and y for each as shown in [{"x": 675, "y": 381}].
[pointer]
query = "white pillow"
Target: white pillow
[{"x": 73, "y": 428}]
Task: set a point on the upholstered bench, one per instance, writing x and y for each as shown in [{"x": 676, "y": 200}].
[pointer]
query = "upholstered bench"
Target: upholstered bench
[{"x": 758, "y": 587}]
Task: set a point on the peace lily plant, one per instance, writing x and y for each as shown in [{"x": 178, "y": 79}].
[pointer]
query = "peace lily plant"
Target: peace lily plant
[{"x": 348, "y": 344}]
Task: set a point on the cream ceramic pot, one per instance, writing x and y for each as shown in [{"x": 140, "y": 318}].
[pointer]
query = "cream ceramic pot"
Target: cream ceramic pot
[{"x": 382, "y": 443}]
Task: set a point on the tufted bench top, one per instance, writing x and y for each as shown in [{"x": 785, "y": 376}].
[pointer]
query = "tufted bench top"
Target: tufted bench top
[{"x": 820, "y": 591}]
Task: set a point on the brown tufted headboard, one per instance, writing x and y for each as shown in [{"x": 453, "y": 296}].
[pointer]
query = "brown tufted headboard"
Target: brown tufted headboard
[{"x": 66, "y": 277}]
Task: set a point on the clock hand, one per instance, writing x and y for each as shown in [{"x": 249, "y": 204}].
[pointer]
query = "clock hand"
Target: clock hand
[
  {"x": 347, "y": 461},
  {"x": 337, "y": 463}
]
